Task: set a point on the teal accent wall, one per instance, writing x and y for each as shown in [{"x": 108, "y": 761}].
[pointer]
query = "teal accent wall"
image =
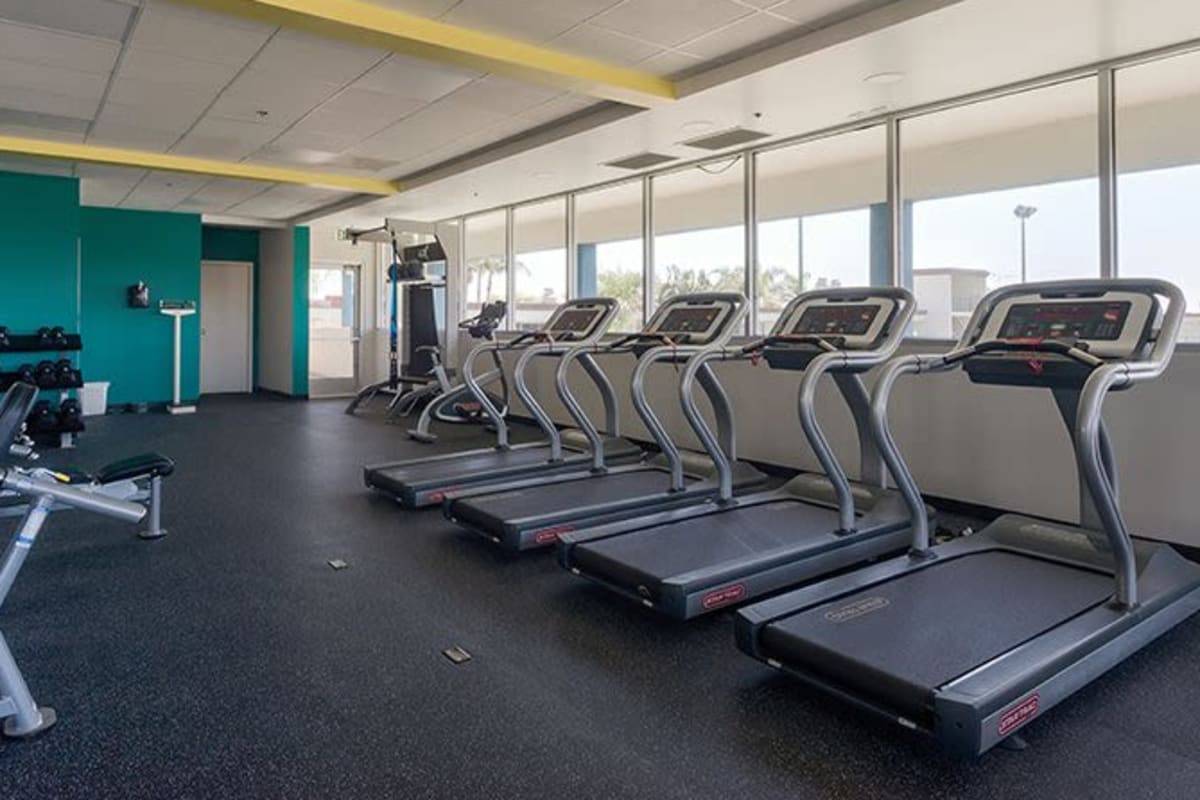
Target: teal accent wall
[
  {"x": 300, "y": 265},
  {"x": 39, "y": 252},
  {"x": 235, "y": 244},
  {"x": 133, "y": 348}
]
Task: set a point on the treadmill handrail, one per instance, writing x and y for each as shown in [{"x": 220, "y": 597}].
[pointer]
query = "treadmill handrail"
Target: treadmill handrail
[
  {"x": 1088, "y": 432},
  {"x": 545, "y": 344},
  {"x": 611, "y": 307},
  {"x": 584, "y": 353},
  {"x": 830, "y": 359},
  {"x": 637, "y": 389}
]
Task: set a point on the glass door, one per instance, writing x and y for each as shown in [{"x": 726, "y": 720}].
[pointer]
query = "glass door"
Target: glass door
[{"x": 334, "y": 329}]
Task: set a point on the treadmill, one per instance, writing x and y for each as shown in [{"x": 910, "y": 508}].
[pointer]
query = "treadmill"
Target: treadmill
[
  {"x": 972, "y": 640},
  {"x": 422, "y": 482},
  {"x": 527, "y": 514},
  {"x": 719, "y": 552}
]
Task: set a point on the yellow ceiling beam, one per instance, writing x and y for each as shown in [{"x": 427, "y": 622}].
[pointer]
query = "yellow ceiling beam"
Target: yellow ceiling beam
[
  {"x": 142, "y": 159},
  {"x": 375, "y": 26}
]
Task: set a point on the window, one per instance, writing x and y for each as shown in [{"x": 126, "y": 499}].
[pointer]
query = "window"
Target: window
[
  {"x": 486, "y": 262},
  {"x": 699, "y": 230},
  {"x": 1158, "y": 161},
  {"x": 822, "y": 218},
  {"x": 608, "y": 261},
  {"x": 998, "y": 192},
  {"x": 539, "y": 262}
]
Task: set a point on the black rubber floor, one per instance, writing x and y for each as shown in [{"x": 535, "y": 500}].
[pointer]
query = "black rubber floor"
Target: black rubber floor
[{"x": 229, "y": 661}]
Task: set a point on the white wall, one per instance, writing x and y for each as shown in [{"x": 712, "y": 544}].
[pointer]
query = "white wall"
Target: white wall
[
  {"x": 276, "y": 249},
  {"x": 1003, "y": 447}
]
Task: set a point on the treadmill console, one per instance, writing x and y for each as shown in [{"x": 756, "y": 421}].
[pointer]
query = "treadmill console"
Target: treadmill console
[
  {"x": 580, "y": 319},
  {"x": 691, "y": 321},
  {"x": 1112, "y": 325},
  {"x": 846, "y": 323}
]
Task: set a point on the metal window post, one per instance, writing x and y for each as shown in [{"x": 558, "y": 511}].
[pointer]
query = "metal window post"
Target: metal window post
[
  {"x": 572, "y": 248},
  {"x": 1108, "y": 172},
  {"x": 895, "y": 200},
  {"x": 647, "y": 247},
  {"x": 750, "y": 222},
  {"x": 510, "y": 266}
]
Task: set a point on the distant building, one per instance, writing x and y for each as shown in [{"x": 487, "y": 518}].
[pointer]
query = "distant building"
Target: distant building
[{"x": 945, "y": 300}]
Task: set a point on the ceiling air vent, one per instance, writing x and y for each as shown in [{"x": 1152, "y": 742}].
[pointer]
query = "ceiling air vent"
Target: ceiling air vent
[
  {"x": 727, "y": 138},
  {"x": 640, "y": 161}
]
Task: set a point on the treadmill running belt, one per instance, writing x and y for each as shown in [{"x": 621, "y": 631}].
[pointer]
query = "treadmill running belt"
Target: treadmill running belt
[
  {"x": 900, "y": 640},
  {"x": 552, "y": 499},
  {"x": 452, "y": 469},
  {"x": 652, "y": 555}
]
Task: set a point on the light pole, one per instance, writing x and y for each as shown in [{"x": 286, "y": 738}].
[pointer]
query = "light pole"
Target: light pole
[{"x": 1023, "y": 213}]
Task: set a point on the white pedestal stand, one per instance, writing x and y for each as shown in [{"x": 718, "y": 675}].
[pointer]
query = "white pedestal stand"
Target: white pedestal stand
[{"x": 177, "y": 406}]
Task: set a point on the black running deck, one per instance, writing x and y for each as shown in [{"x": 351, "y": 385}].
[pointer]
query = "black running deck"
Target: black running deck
[
  {"x": 654, "y": 554},
  {"x": 553, "y": 500},
  {"x": 399, "y": 477},
  {"x": 898, "y": 641}
]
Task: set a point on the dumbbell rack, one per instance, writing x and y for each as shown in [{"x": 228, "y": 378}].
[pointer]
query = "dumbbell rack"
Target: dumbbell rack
[{"x": 32, "y": 343}]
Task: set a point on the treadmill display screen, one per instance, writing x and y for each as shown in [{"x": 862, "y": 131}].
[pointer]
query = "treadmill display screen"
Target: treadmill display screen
[
  {"x": 688, "y": 320},
  {"x": 579, "y": 320},
  {"x": 1100, "y": 320},
  {"x": 836, "y": 320}
]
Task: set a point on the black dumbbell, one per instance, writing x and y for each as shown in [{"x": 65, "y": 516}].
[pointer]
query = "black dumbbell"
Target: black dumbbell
[
  {"x": 27, "y": 374},
  {"x": 5, "y": 342},
  {"x": 64, "y": 372},
  {"x": 41, "y": 417},
  {"x": 58, "y": 338},
  {"x": 46, "y": 375},
  {"x": 70, "y": 415},
  {"x": 43, "y": 336}
]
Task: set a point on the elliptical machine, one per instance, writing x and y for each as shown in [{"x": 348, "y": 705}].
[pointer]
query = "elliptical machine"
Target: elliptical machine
[{"x": 454, "y": 403}]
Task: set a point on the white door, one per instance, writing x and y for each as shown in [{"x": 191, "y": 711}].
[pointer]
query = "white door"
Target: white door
[{"x": 226, "y": 310}]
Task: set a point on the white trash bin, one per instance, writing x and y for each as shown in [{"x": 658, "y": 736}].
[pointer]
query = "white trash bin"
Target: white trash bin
[{"x": 93, "y": 397}]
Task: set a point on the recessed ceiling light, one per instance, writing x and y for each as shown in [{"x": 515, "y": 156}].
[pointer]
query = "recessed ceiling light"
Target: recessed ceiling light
[
  {"x": 698, "y": 126},
  {"x": 884, "y": 78}
]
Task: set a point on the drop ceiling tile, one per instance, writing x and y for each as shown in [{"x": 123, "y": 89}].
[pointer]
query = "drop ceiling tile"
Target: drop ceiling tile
[
  {"x": 162, "y": 191},
  {"x": 824, "y": 12},
  {"x": 556, "y": 109},
  {"x": 162, "y": 117},
  {"x": 215, "y": 137},
  {"x": 528, "y": 20},
  {"x": 103, "y": 19},
  {"x": 168, "y": 29},
  {"x": 53, "y": 49},
  {"x": 744, "y": 33},
  {"x": 102, "y": 194},
  {"x": 603, "y": 44},
  {"x": 401, "y": 76},
  {"x": 301, "y": 138},
  {"x": 670, "y": 22},
  {"x": 109, "y": 172},
  {"x": 133, "y": 137},
  {"x": 221, "y": 193},
  {"x": 200, "y": 15},
  {"x": 426, "y": 131},
  {"x": 670, "y": 63},
  {"x": 141, "y": 92},
  {"x": 38, "y": 102},
  {"x": 46, "y": 123},
  {"x": 52, "y": 80},
  {"x": 360, "y": 109},
  {"x": 501, "y": 95},
  {"x": 303, "y": 57},
  {"x": 284, "y": 100},
  {"x": 167, "y": 68}
]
